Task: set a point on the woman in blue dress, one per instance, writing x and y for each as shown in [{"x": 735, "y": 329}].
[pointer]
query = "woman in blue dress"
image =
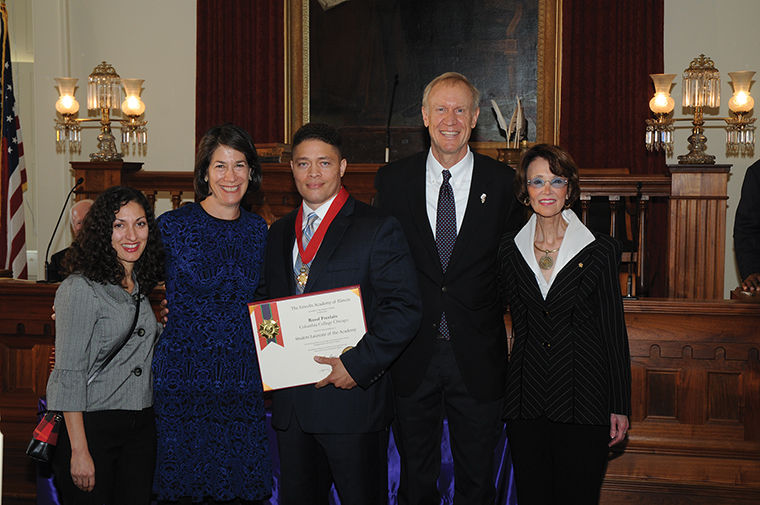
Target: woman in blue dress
[{"x": 212, "y": 441}]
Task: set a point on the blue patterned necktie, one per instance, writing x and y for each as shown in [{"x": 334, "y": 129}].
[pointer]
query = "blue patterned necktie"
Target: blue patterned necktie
[
  {"x": 445, "y": 234},
  {"x": 301, "y": 271}
]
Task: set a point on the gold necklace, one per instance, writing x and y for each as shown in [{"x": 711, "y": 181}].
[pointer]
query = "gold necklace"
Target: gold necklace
[{"x": 546, "y": 262}]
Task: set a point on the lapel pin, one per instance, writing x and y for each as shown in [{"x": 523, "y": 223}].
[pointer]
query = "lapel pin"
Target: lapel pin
[
  {"x": 483, "y": 198},
  {"x": 580, "y": 265}
]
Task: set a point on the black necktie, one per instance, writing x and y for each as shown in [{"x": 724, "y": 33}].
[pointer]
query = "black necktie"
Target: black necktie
[{"x": 445, "y": 233}]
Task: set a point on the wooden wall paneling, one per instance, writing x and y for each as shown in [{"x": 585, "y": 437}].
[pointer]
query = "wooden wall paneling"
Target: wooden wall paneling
[
  {"x": 26, "y": 339},
  {"x": 661, "y": 393},
  {"x": 694, "y": 436},
  {"x": 100, "y": 175},
  {"x": 695, "y": 430},
  {"x": 696, "y": 245}
]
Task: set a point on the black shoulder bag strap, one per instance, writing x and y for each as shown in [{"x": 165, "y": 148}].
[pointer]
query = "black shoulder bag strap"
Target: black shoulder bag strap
[{"x": 119, "y": 347}]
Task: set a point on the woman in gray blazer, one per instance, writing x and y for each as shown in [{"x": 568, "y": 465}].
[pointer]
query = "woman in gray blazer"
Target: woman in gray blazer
[
  {"x": 568, "y": 392},
  {"x": 106, "y": 448}
]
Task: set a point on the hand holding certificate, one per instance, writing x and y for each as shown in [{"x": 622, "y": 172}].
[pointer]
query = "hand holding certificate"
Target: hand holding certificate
[{"x": 290, "y": 332}]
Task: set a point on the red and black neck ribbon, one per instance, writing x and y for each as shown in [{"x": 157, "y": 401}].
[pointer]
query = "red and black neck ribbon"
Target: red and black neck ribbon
[{"x": 316, "y": 240}]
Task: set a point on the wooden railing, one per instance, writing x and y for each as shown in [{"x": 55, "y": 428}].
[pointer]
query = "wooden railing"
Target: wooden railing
[{"x": 627, "y": 198}]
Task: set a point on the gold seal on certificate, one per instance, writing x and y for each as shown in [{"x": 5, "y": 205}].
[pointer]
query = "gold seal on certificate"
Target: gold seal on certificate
[
  {"x": 289, "y": 332},
  {"x": 269, "y": 329}
]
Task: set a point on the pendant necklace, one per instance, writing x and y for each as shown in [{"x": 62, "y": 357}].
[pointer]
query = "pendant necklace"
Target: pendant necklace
[{"x": 546, "y": 262}]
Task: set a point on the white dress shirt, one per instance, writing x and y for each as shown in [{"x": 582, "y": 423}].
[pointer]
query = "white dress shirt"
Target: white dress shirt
[
  {"x": 577, "y": 236},
  {"x": 461, "y": 178}
]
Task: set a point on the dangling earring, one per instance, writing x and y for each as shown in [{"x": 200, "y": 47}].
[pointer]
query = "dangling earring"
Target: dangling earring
[
  {"x": 526, "y": 201},
  {"x": 567, "y": 202},
  {"x": 205, "y": 179}
]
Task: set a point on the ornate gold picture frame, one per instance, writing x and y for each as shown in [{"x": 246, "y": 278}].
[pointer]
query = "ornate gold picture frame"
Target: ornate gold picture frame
[{"x": 549, "y": 64}]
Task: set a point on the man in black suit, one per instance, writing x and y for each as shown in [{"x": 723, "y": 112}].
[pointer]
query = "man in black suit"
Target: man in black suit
[
  {"x": 338, "y": 431},
  {"x": 456, "y": 365},
  {"x": 747, "y": 230}
]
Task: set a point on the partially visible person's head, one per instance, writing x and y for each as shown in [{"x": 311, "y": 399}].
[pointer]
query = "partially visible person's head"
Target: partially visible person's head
[
  {"x": 103, "y": 244},
  {"x": 560, "y": 163},
  {"x": 77, "y": 213},
  {"x": 226, "y": 148},
  {"x": 450, "y": 111},
  {"x": 317, "y": 163}
]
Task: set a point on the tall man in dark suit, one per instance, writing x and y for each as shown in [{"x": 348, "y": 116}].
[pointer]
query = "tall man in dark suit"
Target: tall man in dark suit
[
  {"x": 747, "y": 230},
  {"x": 454, "y": 205},
  {"x": 338, "y": 431}
]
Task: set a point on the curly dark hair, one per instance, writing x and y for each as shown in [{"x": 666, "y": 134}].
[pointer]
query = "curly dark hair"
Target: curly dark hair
[
  {"x": 92, "y": 254},
  {"x": 560, "y": 163},
  {"x": 228, "y": 135}
]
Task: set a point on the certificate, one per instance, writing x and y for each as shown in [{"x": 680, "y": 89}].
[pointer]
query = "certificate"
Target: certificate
[{"x": 289, "y": 332}]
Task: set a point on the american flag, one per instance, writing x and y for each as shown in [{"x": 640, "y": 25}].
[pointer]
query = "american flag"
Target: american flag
[{"x": 12, "y": 170}]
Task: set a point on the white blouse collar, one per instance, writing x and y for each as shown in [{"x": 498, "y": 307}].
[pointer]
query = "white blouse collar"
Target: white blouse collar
[{"x": 577, "y": 236}]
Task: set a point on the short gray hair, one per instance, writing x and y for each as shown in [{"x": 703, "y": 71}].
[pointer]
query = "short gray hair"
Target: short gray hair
[{"x": 71, "y": 210}]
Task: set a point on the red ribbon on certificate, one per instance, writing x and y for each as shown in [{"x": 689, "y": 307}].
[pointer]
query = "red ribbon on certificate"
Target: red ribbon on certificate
[{"x": 268, "y": 323}]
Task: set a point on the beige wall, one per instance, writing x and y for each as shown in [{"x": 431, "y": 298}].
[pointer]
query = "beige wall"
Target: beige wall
[
  {"x": 148, "y": 39},
  {"x": 726, "y": 31}
]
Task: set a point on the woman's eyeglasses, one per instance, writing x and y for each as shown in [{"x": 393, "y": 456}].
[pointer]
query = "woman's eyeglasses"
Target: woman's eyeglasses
[{"x": 539, "y": 182}]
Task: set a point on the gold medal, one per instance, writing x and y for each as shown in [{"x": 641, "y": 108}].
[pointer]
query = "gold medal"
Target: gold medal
[
  {"x": 302, "y": 277},
  {"x": 546, "y": 262},
  {"x": 269, "y": 329}
]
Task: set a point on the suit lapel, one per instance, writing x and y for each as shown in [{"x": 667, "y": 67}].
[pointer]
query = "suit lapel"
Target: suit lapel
[
  {"x": 568, "y": 278},
  {"x": 417, "y": 199},
  {"x": 288, "y": 242},
  {"x": 474, "y": 212},
  {"x": 331, "y": 241}
]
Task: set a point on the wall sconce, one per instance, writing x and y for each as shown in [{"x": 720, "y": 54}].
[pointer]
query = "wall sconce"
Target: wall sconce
[
  {"x": 103, "y": 97},
  {"x": 701, "y": 89}
]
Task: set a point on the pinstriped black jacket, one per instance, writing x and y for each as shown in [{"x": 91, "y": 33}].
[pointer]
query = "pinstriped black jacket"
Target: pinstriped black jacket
[{"x": 570, "y": 360}]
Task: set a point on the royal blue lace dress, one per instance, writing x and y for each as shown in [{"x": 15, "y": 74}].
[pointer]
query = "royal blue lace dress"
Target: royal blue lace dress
[{"x": 212, "y": 440}]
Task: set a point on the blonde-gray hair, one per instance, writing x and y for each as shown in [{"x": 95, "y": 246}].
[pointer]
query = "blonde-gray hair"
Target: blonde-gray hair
[{"x": 452, "y": 78}]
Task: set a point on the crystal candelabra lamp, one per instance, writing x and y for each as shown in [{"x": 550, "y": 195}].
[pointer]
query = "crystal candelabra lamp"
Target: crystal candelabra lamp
[
  {"x": 701, "y": 90},
  {"x": 103, "y": 99}
]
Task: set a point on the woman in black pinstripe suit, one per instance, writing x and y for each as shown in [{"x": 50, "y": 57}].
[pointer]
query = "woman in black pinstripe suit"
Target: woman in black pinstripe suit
[{"x": 568, "y": 394}]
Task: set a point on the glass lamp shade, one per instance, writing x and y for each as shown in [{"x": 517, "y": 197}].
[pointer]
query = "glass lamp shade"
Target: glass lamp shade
[
  {"x": 662, "y": 102},
  {"x": 132, "y": 106},
  {"x": 66, "y": 103},
  {"x": 67, "y": 85},
  {"x": 741, "y": 102},
  {"x": 132, "y": 87}
]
